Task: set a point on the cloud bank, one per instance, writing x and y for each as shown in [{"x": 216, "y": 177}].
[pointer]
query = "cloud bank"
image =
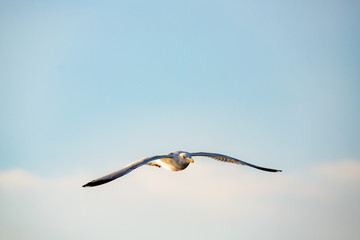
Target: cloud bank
[{"x": 208, "y": 200}]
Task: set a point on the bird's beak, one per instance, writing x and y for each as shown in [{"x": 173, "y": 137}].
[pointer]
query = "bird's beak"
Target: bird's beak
[{"x": 191, "y": 160}]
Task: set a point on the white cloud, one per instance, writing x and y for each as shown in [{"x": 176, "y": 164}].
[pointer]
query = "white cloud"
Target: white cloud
[{"x": 208, "y": 200}]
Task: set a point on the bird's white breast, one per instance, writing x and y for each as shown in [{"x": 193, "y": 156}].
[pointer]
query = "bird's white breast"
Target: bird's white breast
[{"x": 166, "y": 165}]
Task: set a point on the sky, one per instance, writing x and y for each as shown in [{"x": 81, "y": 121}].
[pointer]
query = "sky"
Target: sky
[{"x": 87, "y": 87}]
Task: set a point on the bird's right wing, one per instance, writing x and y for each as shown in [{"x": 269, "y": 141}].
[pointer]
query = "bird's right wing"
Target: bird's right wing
[
  {"x": 224, "y": 158},
  {"x": 122, "y": 172}
]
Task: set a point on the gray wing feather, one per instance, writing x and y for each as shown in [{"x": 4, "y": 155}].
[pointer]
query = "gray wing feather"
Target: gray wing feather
[
  {"x": 225, "y": 158},
  {"x": 122, "y": 172}
]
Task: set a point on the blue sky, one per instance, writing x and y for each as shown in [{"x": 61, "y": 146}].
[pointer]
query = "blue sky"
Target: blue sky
[{"x": 89, "y": 86}]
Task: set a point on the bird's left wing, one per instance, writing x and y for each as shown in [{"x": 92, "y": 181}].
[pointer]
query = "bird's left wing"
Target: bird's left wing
[
  {"x": 225, "y": 158},
  {"x": 125, "y": 170}
]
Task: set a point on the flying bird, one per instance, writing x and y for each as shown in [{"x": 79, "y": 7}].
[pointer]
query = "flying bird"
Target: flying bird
[{"x": 173, "y": 161}]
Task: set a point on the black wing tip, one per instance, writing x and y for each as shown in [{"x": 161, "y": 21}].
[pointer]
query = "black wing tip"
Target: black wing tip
[
  {"x": 268, "y": 169},
  {"x": 89, "y": 184},
  {"x": 97, "y": 183},
  {"x": 275, "y": 170}
]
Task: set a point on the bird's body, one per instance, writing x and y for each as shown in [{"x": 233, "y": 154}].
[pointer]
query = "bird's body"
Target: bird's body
[
  {"x": 173, "y": 161},
  {"x": 169, "y": 164},
  {"x": 177, "y": 162}
]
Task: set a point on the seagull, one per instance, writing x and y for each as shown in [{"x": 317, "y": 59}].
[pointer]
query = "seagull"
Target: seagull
[{"x": 173, "y": 161}]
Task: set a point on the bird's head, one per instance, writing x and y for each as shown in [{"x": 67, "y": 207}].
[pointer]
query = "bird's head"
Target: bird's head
[{"x": 185, "y": 156}]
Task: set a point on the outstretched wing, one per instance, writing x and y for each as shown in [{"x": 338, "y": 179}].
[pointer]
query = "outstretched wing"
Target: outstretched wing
[
  {"x": 225, "y": 158},
  {"x": 122, "y": 172}
]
